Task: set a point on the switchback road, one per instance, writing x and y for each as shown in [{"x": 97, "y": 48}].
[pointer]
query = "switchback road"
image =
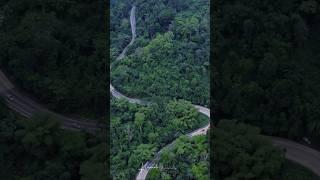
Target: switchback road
[
  {"x": 296, "y": 152},
  {"x": 201, "y": 131}
]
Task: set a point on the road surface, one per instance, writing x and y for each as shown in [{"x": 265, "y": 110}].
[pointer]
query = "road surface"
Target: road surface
[
  {"x": 114, "y": 91},
  {"x": 144, "y": 170},
  {"x": 133, "y": 33},
  {"x": 28, "y": 107},
  {"x": 119, "y": 95},
  {"x": 296, "y": 152}
]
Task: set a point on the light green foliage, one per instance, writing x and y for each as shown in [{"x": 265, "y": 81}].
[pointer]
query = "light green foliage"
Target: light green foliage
[
  {"x": 189, "y": 157},
  {"x": 138, "y": 132},
  {"x": 182, "y": 114},
  {"x": 170, "y": 56},
  {"x": 168, "y": 60}
]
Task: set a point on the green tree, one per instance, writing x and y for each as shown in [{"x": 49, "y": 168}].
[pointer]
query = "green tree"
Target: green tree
[
  {"x": 240, "y": 152},
  {"x": 139, "y": 120}
]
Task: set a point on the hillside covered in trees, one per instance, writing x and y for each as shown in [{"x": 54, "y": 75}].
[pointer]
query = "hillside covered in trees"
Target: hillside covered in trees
[
  {"x": 139, "y": 132},
  {"x": 240, "y": 152},
  {"x": 267, "y": 65},
  {"x": 167, "y": 65},
  {"x": 55, "y": 50},
  {"x": 266, "y": 69},
  {"x": 188, "y": 159},
  {"x": 38, "y": 148},
  {"x": 170, "y": 56}
]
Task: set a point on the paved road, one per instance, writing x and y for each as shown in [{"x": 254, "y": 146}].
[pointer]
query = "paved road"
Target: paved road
[
  {"x": 145, "y": 168},
  {"x": 296, "y": 152},
  {"x": 115, "y": 93},
  {"x": 119, "y": 95},
  {"x": 133, "y": 32},
  {"x": 27, "y": 107}
]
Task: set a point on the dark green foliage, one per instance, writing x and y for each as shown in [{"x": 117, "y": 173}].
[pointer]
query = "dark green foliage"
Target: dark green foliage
[
  {"x": 267, "y": 65},
  {"x": 94, "y": 168},
  {"x": 56, "y": 51},
  {"x": 240, "y": 152},
  {"x": 293, "y": 171},
  {"x": 38, "y": 148},
  {"x": 120, "y": 32},
  {"x": 187, "y": 159}
]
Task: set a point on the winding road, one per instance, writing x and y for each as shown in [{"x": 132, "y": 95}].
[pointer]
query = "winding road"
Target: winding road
[
  {"x": 27, "y": 107},
  {"x": 301, "y": 154},
  {"x": 201, "y": 131}
]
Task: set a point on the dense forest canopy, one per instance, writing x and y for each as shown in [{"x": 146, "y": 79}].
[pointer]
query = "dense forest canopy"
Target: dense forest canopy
[
  {"x": 38, "y": 148},
  {"x": 266, "y": 73},
  {"x": 188, "y": 159},
  {"x": 170, "y": 57},
  {"x": 56, "y": 51},
  {"x": 240, "y": 152},
  {"x": 167, "y": 62},
  {"x": 138, "y": 132},
  {"x": 267, "y": 65}
]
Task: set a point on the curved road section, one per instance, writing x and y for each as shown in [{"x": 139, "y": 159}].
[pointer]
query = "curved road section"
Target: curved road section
[
  {"x": 303, "y": 155},
  {"x": 298, "y": 153},
  {"x": 133, "y": 32},
  {"x": 113, "y": 91},
  {"x": 144, "y": 170},
  {"x": 28, "y": 107},
  {"x": 201, "y": 131}
]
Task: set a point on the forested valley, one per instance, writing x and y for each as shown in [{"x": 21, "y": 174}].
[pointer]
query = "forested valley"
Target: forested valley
[{"x": 55, "y": 50}]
